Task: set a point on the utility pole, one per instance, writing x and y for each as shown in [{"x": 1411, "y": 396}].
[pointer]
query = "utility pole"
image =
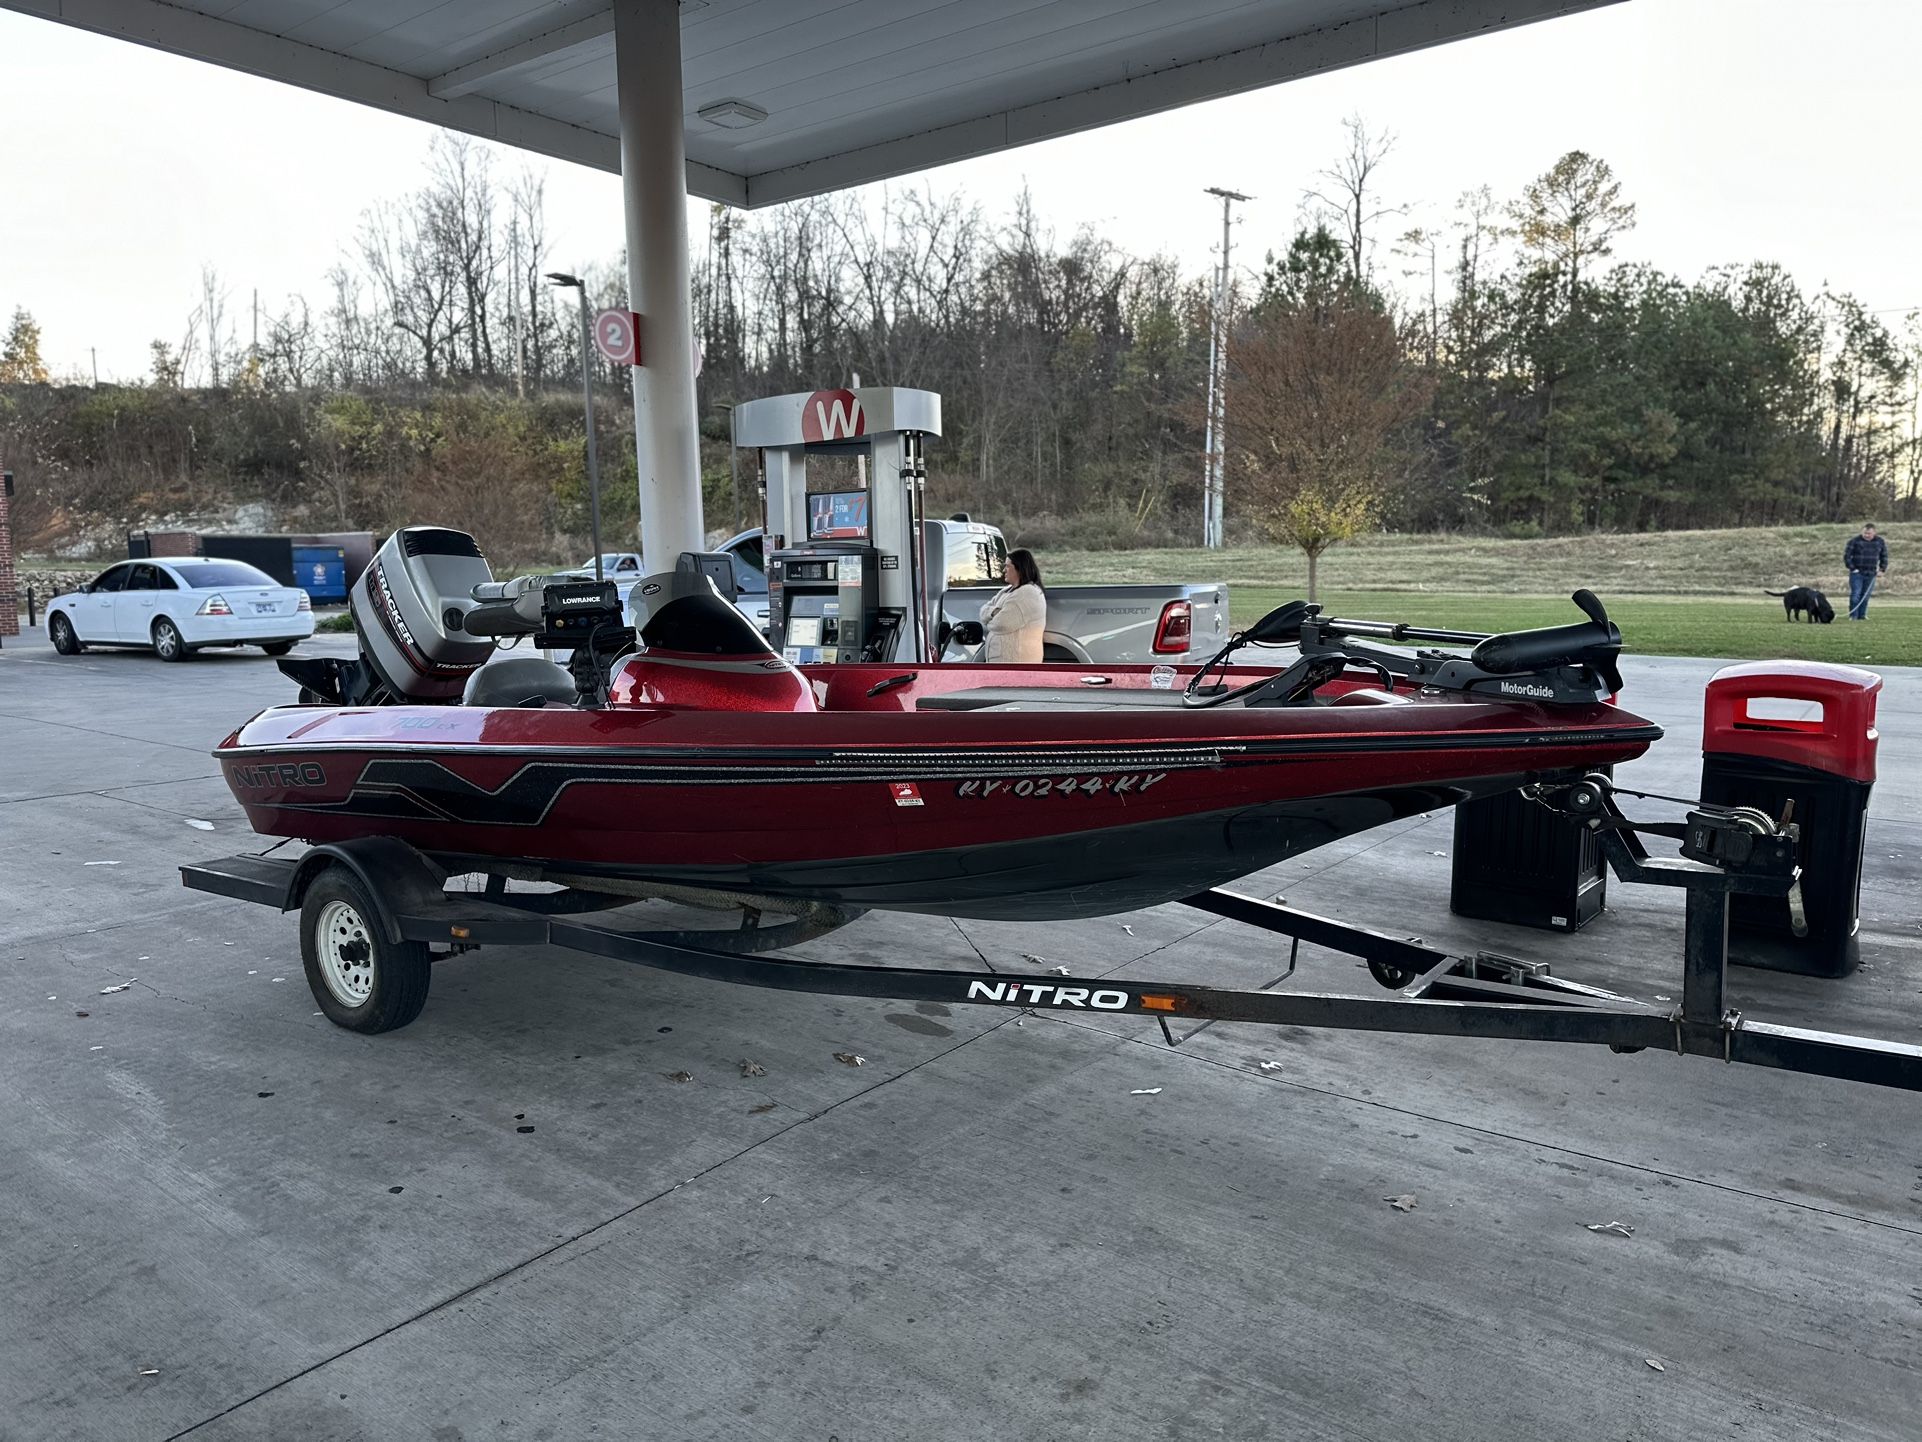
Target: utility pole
[
  {"x": 514, "y": 303},
  {"x": 1212, "y": 489}
]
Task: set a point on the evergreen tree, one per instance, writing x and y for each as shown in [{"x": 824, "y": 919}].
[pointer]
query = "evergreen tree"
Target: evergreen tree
[{"x": 20, "y": 362}]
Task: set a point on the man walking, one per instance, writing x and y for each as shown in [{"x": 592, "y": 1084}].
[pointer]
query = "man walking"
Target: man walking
[{"x": 1866, "y": 556}]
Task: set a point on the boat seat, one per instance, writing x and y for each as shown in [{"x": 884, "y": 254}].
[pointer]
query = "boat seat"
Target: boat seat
[{"x": 520, "y": 681}]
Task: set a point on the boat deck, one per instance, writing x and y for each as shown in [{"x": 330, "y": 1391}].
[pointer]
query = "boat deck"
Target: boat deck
[{"x": 515, "y": 1217}]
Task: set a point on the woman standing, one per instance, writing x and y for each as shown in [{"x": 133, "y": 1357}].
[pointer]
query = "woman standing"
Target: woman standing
[{"x": 1016, "y": 615}]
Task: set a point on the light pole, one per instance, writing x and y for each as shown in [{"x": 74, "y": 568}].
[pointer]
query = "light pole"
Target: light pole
[
  {"x": 563, "y": 280},
  {"x": 1213, "y": 486}
]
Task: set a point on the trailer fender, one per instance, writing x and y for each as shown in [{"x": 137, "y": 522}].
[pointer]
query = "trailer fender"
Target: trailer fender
[{"x": 397, "y": 877}]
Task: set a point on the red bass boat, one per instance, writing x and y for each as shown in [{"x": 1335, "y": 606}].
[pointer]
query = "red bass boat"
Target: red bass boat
[{"x": 691, "y": 759}]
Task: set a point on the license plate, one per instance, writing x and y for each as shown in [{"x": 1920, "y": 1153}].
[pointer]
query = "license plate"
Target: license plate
[{"x": 264, "y": 609}]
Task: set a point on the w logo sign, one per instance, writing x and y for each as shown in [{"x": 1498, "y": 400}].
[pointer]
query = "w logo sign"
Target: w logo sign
[{"x": 832, "y": 416}]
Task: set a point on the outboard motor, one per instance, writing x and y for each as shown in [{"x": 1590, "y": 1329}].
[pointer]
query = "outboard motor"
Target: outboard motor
[{"x": 407, "y": 606}]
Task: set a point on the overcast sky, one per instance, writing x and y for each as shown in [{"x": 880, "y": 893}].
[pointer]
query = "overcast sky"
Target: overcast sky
[{"x": 1743, "y": 129}]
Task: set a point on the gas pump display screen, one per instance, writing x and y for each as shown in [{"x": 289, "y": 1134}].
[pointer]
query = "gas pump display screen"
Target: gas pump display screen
[{"x": 838, "y": 516}]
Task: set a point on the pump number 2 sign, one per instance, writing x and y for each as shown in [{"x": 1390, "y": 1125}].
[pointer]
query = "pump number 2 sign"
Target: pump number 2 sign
[{"x": 617, "y": 335}]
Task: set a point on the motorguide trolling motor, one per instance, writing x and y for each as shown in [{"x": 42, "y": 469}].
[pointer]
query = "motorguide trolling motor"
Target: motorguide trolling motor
[{"x": 1567, "y": 664}]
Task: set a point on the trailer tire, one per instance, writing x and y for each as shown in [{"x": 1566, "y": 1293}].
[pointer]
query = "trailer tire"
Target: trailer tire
[{"x": 360, "y": 979}]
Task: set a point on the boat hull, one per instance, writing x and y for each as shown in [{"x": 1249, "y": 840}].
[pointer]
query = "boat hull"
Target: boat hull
[{"x": 978, "y": 813}]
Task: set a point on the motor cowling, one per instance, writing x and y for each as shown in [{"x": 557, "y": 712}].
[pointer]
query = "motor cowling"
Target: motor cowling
[{"x": 421, "y": 580}]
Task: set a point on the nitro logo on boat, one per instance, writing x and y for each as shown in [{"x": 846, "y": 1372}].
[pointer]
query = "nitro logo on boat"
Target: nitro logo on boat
[
  {"x": 1522, "y": 688},
  {"x": 1028, "y": 993},
  {"x": 281, "y": 773},
  {"x": 1126, "y": 784}
]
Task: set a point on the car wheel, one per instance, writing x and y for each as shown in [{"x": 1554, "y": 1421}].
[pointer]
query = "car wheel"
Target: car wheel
[
  {"x": 278, "y": 648},
  {"x": 167, "y": 641},
  {"x": 359, "y": 978},
  {"x": 60, "y": 632}
]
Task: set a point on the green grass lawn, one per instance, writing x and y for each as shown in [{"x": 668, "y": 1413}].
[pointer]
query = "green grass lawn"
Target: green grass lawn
[
  {"x": 1691, "y": 626},
  {"x": 1667, "y": 563},
  {"x": 1674, "y": 593}
]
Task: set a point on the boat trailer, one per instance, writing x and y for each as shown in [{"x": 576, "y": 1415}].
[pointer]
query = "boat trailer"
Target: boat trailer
[{"x": 1724, "y": 851}]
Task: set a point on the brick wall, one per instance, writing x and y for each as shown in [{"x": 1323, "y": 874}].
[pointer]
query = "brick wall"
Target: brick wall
[{"x": 9, "y": 587}]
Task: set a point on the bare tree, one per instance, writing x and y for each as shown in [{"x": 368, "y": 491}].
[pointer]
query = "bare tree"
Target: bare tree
[
  {"x": 291, "y": 354},
  {"x": 457, "y": 215},
  {"x": 417, "y": 277},
  {"x": 1319, "y": 403},
  {"x": 1347, "y": 192}
]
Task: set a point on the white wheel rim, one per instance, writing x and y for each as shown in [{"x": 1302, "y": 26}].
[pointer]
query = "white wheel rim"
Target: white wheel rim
[
  {"x": 165, "y": 637},
  {"x": 345, "y": 951}
]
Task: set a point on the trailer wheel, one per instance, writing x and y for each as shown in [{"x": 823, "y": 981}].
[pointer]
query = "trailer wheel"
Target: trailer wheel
[{"x": 359, "y": 978}]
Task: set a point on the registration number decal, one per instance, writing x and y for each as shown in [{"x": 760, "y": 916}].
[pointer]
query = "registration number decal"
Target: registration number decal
[{"x": 1128, "y": 783}]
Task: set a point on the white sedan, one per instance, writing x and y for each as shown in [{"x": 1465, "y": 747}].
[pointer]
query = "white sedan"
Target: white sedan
[{"x": 179, "y": 604}]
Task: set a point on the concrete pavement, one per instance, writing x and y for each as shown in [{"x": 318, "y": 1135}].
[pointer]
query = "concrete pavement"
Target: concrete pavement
[{"x": 507, "y": 1221}]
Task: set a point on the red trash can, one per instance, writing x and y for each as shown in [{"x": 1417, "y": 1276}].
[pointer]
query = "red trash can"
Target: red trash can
[{"x": 1800, "y": 734}]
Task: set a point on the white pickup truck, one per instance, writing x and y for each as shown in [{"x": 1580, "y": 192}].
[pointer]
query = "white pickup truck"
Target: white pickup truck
[{"x": 1087, "y": 625}]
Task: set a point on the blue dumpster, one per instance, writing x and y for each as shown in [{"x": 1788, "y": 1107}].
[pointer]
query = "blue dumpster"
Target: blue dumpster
[{"x": 321, "y": 571}]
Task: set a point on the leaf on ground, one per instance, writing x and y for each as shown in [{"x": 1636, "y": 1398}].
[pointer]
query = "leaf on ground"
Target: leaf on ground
[
  {"x": 1403, "y": 1203},
  {"x": 1127, "y": 928},
  {"x": 1655, "y": 1364},
  {"x": 1059, "y": 970},
  {"x": 100, "y": 863},
  {"x": 848, "y": 1058},
  {"x": 150, "y": 1371},
  {"x": 1032, "y": 959},
  {"x": 678, "y": 1076},
  {"x": 1614, "y": 1229},
  {"x": 752, "y": 1068},
  {"x": 110, "y": 990},
  {"x": 1271, "y": 1066},
  {"x": 199, "y": 825},
  {"x": 1145, "y": 1092},
  {"x": 763, "y": 1107}
]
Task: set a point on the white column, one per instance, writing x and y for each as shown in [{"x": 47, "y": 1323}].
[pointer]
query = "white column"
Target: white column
[{"x": 647, "y": 62}]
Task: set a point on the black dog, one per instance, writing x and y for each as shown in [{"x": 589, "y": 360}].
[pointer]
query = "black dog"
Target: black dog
[{"x": 1806, "y": 600}]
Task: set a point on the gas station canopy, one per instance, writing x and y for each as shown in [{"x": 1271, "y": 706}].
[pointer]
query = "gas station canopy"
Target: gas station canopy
[{"x": 787, "y": 98}]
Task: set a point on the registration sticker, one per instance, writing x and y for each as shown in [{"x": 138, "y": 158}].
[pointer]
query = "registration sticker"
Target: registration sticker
[{"x": 905, "y": 793}]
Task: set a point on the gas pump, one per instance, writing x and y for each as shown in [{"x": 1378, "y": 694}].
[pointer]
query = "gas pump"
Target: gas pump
[{"x": 846, "y": 569}]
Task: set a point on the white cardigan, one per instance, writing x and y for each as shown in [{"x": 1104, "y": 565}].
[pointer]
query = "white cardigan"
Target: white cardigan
[{"x": 1014, "y": 618}]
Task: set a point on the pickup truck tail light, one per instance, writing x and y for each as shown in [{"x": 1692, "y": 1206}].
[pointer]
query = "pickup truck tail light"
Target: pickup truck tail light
[
  {"x": 1175, "y": 628},
  {"x": 215, "y": 606}
]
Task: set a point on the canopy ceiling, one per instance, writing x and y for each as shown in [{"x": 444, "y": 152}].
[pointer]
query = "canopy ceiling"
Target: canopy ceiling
[{"x": 852, "y": 90}]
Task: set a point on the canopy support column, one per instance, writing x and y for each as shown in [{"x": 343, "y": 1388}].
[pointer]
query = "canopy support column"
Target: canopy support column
[{"x": 647, "y": 62}]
